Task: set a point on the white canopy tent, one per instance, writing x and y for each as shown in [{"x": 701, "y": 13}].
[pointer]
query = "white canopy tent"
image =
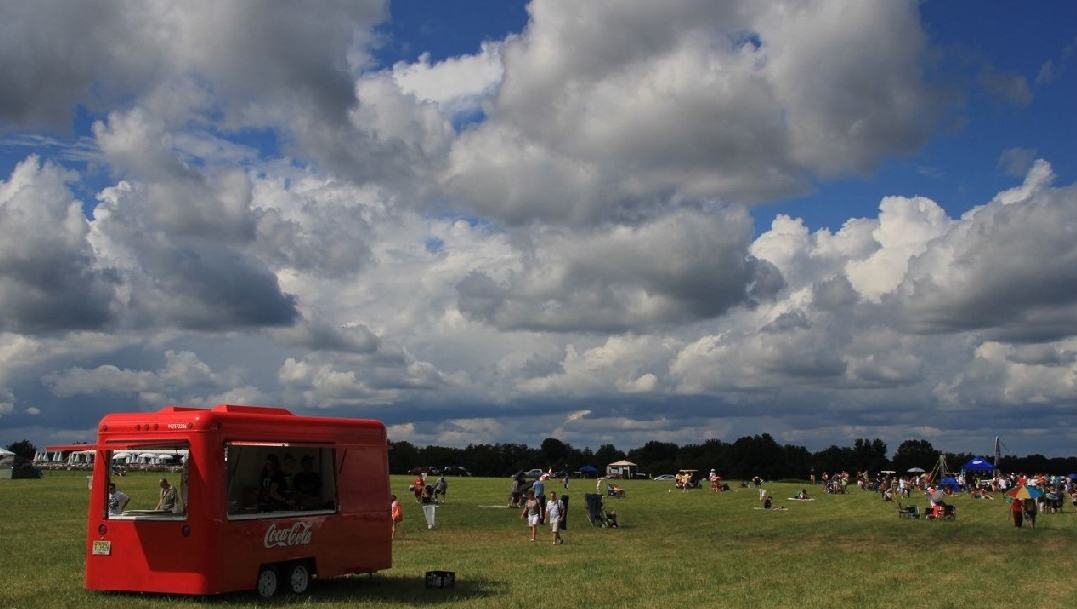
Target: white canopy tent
[
  {"x": 620, "y": 469},
  {"x": 7, "y": 463}
]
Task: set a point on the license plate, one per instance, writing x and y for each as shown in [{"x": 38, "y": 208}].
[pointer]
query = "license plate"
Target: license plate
[{"x": 102, "y": 548}]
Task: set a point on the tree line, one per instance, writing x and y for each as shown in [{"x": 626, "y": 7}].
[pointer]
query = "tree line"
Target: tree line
[{"x": 745, "y": 458}]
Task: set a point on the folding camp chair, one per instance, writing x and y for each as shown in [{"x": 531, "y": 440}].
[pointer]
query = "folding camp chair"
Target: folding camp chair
[
  {"x": 593, "y": 503},
  {"x": 912, "y": 511},
  {"x": 597, "y": 514}
]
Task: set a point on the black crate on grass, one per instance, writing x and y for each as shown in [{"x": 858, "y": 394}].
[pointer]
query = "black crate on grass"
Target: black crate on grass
[{"x": 440, "y": 579}]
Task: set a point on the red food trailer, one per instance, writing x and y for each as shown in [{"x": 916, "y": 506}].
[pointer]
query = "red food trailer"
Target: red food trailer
[{"x": 235, "y": 523}]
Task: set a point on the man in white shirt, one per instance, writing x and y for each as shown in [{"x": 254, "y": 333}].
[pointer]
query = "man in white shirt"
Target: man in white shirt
[
  {"x": 117, "y": 500},
  {"x": 555, "y": 513}
]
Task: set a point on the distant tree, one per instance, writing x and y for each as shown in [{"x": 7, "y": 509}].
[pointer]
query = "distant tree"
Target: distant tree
[
  {"x": 1062, "y": 466},
  {"x": 757, "y": 456},
  {"x": 515, "y": 457},
  {"x": 915, "y": 453},
  {"x": 869, "y": 456},
  {"x": 24, "y": 449},
  {"x": 587, "y": 457},
  {"x": 439, "y": 456},
  {"x": 834, "y": 460},
  {"x": 483, "y": 460},
  {"x": 710, "y": 454},
  {"x": 554, "y": 454},
  {"x": 403, "y": 456},
  {"x": 1035, "y": 464},
  {"x": 606, "y": 454},
  {"x": 653, "y": 455}
]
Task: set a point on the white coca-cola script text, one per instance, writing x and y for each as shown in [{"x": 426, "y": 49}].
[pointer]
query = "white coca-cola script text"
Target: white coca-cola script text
[{"x": 298, "y": 534}]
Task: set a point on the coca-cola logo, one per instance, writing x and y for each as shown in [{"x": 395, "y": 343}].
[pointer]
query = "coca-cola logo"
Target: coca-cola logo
[{"x": 298, "y": 534}]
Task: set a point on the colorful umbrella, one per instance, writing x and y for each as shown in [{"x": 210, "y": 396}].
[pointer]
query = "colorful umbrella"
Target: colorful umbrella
[{"x": 1025, "y": 492}]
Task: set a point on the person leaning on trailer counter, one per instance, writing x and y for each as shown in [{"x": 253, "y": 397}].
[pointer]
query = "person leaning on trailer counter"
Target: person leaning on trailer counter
[{"x": 117, "y": 500}]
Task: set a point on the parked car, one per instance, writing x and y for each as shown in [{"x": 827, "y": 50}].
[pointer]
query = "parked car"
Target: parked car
[
  {"x": 666, "y": 478},
  {"x": 534, "y": 473},
  {"x": 454, "y": 470}
]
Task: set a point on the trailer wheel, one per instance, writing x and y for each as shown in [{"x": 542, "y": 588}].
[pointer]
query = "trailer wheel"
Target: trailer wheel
[
  {"x": 299, "y": 577},
  {"x": 268, "y": 581}
]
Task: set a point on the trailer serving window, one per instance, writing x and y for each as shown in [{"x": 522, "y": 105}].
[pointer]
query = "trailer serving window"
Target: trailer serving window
[
  {"x": 272, "y": 480},
  {"x": 169, "y": 460}
]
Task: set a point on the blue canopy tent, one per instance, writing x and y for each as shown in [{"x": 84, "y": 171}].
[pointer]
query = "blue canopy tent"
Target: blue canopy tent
[
  {"x": 587, "y": 471},
  {"x": 979, "y": 464},
  {"x": 950, "y": 484}
]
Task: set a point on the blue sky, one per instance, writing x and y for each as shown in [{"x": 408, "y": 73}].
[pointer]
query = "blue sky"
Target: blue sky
[{"x": 490, "y": 221}]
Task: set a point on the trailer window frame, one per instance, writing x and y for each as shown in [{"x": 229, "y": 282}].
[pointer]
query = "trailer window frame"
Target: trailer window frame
[
  {"x": 244, "y": 459},
  {"x": 112, "y": 476}
]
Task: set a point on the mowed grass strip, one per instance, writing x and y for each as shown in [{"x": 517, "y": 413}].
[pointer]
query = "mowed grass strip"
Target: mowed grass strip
[{"x": 674, "y": 549}]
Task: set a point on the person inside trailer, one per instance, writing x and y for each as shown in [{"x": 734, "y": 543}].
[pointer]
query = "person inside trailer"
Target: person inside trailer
[
  {"x": 273, "y": 486},
  {"x": 308, "y": 485}
]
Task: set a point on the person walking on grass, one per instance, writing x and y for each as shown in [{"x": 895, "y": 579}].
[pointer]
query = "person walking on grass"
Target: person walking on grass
[
  {"x": 555, "y": 513},
  {"x": 539, "y": 487},
  {"x": 397, "y": 513},
  {"x": 1017, "y": 509},
  {"x": 441, "y": 488},
  {"x": 532, "y": 512},
  {"x": 1030, "y": 512}
]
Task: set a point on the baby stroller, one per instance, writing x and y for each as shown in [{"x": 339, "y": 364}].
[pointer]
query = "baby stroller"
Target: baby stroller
[{"x": 597, "y": 515}]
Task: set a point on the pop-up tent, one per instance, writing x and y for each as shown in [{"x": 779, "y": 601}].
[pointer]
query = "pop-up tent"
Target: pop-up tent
[
  {"x": 951, "y": 484},
  {"x": 7, "y": 462},
  {"x": 621, "y": 469},
  {"x": 979, "y": 464},
  {"x": 588, "y": 470}
]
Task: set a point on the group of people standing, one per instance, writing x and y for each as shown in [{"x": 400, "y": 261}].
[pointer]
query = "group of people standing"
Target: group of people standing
[
  {"x": 283, "y": 488},
  {"x": 430, "y": 493}
]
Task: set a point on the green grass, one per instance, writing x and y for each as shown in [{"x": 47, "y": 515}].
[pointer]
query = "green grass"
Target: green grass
[{"x": 674, "y": 549}]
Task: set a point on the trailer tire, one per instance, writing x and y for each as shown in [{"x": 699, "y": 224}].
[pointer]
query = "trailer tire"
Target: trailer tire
[
  {"x": 299, "y": 577},
  {"x": 268, "y": 581}
]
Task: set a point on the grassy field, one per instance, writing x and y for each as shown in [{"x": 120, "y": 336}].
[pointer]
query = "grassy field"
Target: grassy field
[{"x": 674, "y": 549}]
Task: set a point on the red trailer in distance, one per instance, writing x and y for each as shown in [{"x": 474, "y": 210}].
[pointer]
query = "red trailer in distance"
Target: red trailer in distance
[{"x": 227, "y": 532}]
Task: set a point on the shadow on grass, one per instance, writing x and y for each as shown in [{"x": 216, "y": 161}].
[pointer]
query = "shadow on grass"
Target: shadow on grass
[{"x": 342, "y": 590}]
